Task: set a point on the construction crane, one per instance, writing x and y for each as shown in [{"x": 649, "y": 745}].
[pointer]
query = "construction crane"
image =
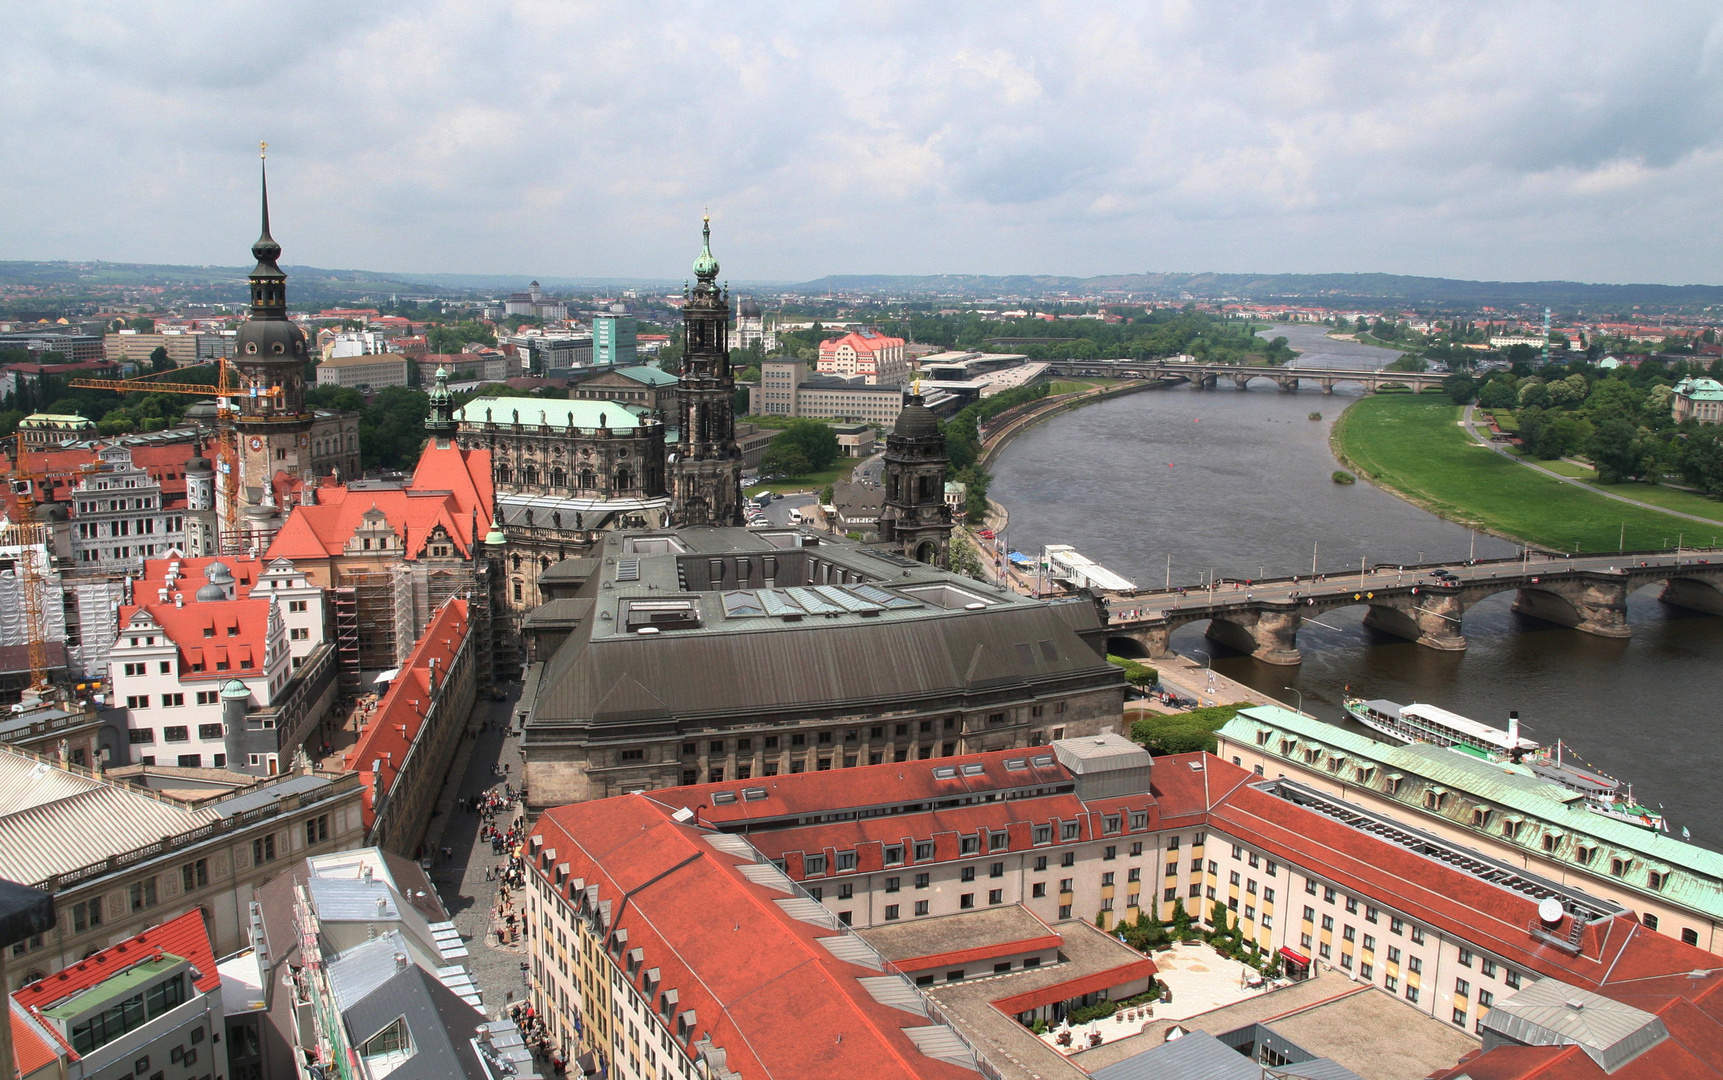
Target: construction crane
[
  {"x": 24, "y": 532},
  {"x": 227, "y": 432}
]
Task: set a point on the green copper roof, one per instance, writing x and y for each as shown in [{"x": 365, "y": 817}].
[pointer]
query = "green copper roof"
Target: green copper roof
[
  {"x": 651, "y": 376},
  {"x": 705, "y": 266},
  {"x": 1695, "y": 883},
  {"x": 553, "y": 411}
]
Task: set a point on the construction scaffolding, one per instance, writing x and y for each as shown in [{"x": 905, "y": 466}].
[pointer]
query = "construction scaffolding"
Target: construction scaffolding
[{"x": 346, "y": 604}]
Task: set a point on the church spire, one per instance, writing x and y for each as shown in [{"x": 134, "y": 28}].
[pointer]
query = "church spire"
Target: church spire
[
  {"x": 705, "y": 265},
  {"x": 268, "y": 283},
  {"x": 440, "y": 422}
]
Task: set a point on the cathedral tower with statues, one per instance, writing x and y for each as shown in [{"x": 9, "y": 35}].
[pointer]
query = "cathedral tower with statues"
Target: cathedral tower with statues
[
  {"x": 915, "y": 519},
  {"x": 706, "y": 474}
]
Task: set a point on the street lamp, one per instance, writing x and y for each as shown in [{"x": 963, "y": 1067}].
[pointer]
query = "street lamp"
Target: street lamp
[
  {"x": 1300, "y": 694},
  {"x": 1208, "y": 658}
]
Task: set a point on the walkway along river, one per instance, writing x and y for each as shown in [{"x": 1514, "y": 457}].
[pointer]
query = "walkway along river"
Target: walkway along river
[{"x": 1240, "y": 483}]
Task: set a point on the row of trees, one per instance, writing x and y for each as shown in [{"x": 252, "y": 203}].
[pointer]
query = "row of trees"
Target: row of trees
[{"x": 1621, "y": 421}]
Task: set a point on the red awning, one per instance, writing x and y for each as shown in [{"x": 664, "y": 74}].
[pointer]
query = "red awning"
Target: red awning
[{"x": 1294, "y": 957}]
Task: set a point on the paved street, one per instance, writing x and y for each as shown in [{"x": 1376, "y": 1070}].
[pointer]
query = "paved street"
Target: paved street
[{"x": 460, "y": 880}]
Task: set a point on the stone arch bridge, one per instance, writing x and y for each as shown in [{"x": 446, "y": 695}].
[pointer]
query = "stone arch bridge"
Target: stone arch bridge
[
  {"x": 1208, "y": 376},
  {"x": 1588, "y": 594}
]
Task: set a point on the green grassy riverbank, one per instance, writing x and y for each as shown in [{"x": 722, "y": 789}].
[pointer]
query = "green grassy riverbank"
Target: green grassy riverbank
[{"x": 1415, "y": 447}]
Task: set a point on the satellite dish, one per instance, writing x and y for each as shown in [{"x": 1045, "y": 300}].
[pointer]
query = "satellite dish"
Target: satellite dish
[{"x": 1549, "y": 910}]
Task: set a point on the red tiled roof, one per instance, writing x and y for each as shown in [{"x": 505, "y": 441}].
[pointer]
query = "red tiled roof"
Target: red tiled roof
[
  {"x": 401, "y": 714},
  {"x": 239, "y": 638},
  {"x": 757, "y": 979},
  {"x": 244, "y": 569},
  {"x": 797, "y": 794},
  {"x": 1075, "y": 988},
  {"x": 184, "y": 936},
  {"x": 862, "y": 344},
  {"x": 30, "y": 1050},
  {"x": 451, "y": 489}
]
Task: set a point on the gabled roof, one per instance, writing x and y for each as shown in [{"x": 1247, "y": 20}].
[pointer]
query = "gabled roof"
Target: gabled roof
[
  {"x": 210, "y": 634},
  {"x": 401, "y": 713},
  {"x": 184, "y": 936},
  {"x": 862, "y": 341},
  {"x": 322, "y": 531}
]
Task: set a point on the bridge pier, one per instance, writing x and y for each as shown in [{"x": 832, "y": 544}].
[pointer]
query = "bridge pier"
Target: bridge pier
[
  {"x": 1433, "y": 623},
  {"x": 1288, "y": 384},
  {"x": 1593, "y": 607},
  {"x": 1693, "y": 594},
  {"x": 1241, "y": 381},
  {"x": 1328, "y": 386},
  {"x": 1267, "y": 635}
]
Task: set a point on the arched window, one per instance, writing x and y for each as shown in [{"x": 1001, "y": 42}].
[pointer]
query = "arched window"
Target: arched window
[
  {"x": 502, "y": 474},
  {"x": 517, "y": 585},
  {"x": 529, "y": 475},
  {"x": 556, "y": 477},
  {"x": 586, "y": 479},
  {"x": 621, "y": 479}
]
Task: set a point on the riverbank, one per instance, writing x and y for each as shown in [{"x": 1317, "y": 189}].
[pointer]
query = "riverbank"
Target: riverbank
[
  {"x": 1417, "y": 449},
  {"x": 1048, "y": 408}
]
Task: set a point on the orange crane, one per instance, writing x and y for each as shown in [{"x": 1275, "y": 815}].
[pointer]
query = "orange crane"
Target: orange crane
[
  {"x": 25, "y": 532},
  {"x": 226, "y": 415}
]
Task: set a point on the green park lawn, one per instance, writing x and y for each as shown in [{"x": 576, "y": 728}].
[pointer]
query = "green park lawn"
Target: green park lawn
[
  {"x": 1414, "y": 446},
  {"x": 814, "y": 480}
]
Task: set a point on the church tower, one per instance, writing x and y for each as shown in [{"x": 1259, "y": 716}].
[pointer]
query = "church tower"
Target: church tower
[
  {"x": 915, "y": 519},
  {"x": 440, "y": 422},
  {"x": 706, "y": 475},
  {"x": 274, "y": 423}
]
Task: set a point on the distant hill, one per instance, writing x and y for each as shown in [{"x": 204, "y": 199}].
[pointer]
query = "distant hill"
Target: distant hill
[{"x": 1328, "y": 289}]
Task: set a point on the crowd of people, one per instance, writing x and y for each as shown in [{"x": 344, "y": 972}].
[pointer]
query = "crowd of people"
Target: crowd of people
[{"x": 535, "y": 1035}]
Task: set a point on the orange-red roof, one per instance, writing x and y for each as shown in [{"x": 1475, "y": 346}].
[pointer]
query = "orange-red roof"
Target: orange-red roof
[
  {"x": 756, "y": 979},
  {"x": 451, "y": 489},
  {"x": 244, "y": 569},
  {"x": 216, "y": 640},
  {"x": 184, "y": 936},
  {"x": 861, "y": 343},
  {"x": 401, "y": 714},
  {"x": 30, "y": 1049}
]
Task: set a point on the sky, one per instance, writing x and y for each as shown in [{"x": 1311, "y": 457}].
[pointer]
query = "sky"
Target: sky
[{"x": 1490, "y": 140}]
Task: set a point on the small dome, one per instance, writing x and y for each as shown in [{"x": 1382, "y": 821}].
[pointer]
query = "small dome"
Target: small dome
[
  {"x": 198, "y": 464},
  {"x": 916, "y": 421},
  {"x": 750, "y": 310},
  {"x": 220, "y": 577},
  {"x": 233, "y": 688}
]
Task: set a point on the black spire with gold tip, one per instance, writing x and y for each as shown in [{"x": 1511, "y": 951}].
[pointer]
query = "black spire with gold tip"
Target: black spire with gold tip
[{"x": 268, "y": 282}]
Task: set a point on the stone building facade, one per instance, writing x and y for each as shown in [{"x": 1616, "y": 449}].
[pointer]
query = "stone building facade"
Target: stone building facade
[{"x": 121, "y": 516}]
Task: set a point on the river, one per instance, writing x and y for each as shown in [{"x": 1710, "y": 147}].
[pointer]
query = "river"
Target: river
[{"x": 1240, "y": 483}]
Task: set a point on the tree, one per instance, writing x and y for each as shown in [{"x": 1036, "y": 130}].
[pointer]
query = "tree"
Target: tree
[
  {"x": 1498, "y": 394},
  {"x": 1702, "y": 459},
  {"x": 143, "y": 324},
  {"x": 392, "y": 428},
  {"x": 1533, "y": 393},
  {"x": 817, "y": 442},
  {"x": 1612, "y": 449},
  {"x": 785, "y": 460},
  {"x": 1460, "y": 387},
  {"x": 159, "y": 359},
  {"x": 1409, "y": 362}
]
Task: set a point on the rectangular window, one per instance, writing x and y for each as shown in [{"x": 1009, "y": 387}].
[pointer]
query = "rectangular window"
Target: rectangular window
[
  {"x": 1489, "y": 968},
  {"x": 143, "y": 894},
  {"x": 1038, "y": 890},
  {"x": 1412, "y": 994},
  {"x": 194, "y": 875},
  {"x": 208, "y": 731},
  {"x": 172, "y": 701},
  {"x": 921, "y": 881},
  {"x": 996, "y": 896},
  {"x": 1465, "y": 958},
  {"x": 967, "y": 900},
  {"x": 890, "y": 912},
  {"x": 894, "y": 854},
  {"x": 208, "y": 697},
  {"x": 317, "y": 829},
  {"x": 892, "y": 884},
  {"x": 921, "y": 907},
  {"x": 1043, "y": 834},
  {"x": 1460, "y": 1017},
  {"x": 1110, "y": 852},
  {"x": 966, "y": 874},
  {"x": 263, "y": 850},
  {"x": 1393, "y": 955},
  {"x": 923, "y": 852},
  {"x": 1366, "y": 970},
  {"x": 176, "y": 734},
  {"x": 814, "y": 864},
  {"x": 1462, "y": 988}
]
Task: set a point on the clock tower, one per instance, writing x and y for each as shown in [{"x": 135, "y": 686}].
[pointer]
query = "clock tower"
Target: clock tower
[{"x": 273, "y": 424}]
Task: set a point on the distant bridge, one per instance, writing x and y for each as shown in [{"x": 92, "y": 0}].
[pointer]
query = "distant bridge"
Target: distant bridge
[
  {"x": 1586, "y": 593},
  {"x": 1207, "y": 376}
]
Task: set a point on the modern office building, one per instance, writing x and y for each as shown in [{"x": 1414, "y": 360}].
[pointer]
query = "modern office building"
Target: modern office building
[
  {"x": 371, "y": 371},
  {"x": 615, "y": 341},
  {"x": 786, "y": 388}
]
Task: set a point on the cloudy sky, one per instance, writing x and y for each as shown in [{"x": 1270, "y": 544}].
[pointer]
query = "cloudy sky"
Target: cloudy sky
[{"x": 1499, "y": 140}]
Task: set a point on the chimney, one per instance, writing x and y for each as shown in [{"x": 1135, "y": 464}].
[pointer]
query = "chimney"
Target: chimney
[
  {"x": 1513, "y": 729},
  {"x": 400, "y": 961}
]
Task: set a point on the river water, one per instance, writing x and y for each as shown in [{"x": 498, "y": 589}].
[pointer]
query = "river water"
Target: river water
[{"x": 1240, "y": 483}]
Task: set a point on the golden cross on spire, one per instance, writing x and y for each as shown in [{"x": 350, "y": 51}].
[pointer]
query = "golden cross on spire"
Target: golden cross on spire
[{"x": 263, "y": 150}]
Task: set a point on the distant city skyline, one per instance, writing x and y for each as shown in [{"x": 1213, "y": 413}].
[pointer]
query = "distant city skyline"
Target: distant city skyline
[{"x": 1453, "y": 140}]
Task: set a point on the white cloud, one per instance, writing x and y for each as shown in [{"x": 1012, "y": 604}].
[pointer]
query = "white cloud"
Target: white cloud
[{"x": 1465, "y": 139}]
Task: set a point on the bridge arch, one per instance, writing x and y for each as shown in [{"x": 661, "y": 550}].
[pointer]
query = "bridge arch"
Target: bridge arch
[
  {"x": 1130, "y": 648},
  {"x": 1694, "y": 592}
]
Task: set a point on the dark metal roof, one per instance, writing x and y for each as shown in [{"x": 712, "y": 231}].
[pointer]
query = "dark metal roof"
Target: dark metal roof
[
  {"x": 442, "y": 1026},
  {"x": 24, "y": 912}
]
